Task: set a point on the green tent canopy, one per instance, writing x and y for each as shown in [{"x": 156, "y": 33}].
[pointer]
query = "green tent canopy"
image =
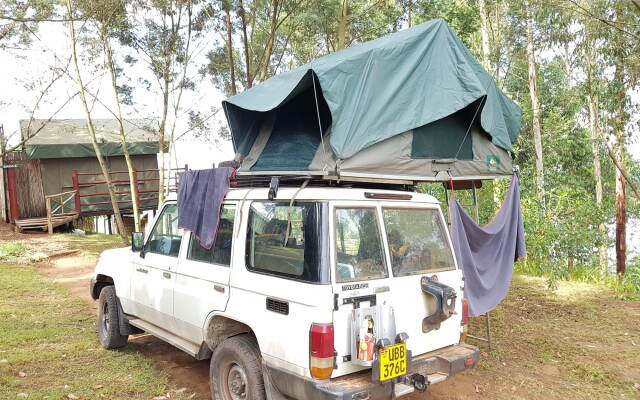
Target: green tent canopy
[{"x": 412, "y": 105}]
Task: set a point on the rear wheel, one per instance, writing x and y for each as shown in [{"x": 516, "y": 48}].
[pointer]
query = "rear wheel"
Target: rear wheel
[
  {"x": 236, "y": 371},
  {"x": 109, "y": 321}
]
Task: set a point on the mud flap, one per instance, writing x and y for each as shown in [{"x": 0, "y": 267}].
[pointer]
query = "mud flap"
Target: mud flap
[{"x": 270, "y": 390}]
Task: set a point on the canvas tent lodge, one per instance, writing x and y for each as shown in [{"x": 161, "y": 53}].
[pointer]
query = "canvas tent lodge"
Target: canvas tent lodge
[{"x": 58, "y": 162}]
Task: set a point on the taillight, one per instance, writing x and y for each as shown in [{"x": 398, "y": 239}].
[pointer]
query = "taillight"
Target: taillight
[
  {"x": 465, "y": 312},
  {"x": 321, "y": 353},
  {"x": 464, "y": 321}
]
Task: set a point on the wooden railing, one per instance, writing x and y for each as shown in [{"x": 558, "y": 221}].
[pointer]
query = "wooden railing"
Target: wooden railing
[
  {"x": 56, "y": 207},
  {"x": 88, "y": 200}
]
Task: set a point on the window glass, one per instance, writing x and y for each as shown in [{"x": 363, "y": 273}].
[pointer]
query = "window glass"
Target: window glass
[
  {"x": 220, "y": 252},
  {"x": 417, "y": 241},
  {"x": 358, "y": 245},
  {"x": 165, "y": 238},
  {"x": 284, "y": 240}
]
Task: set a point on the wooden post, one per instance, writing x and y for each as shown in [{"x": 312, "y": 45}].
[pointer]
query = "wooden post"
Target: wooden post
[
  {"x": 14, "y": 209},
  {"x": 3, "y": 200},
  {"x": 136, "y": 193},
  {"x": 49, "y": 222},
  {"x": 76, "y": 186}
]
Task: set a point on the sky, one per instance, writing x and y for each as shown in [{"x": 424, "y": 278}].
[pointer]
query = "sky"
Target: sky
[{"x": 25, "y": 72}]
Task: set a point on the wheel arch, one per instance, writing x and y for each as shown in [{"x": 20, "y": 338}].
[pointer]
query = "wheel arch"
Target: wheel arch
[
  {"x": 98, "y": 283},
  {"x": 220, "y": 327}
]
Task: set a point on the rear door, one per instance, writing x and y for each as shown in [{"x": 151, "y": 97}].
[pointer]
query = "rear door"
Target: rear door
[
  {"x": 381, "y": 250},
  {"x": 202, "y": 281}
]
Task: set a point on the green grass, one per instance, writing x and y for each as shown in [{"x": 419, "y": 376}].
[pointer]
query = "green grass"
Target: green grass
[
  {"x": 579, "y": 341},
  {"x": 92, "y": 243},
  {"x": 11, "y": 249},
  {"x": 50, "y": 336}
]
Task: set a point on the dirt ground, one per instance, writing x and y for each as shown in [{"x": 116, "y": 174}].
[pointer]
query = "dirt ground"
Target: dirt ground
[{"x": 576, "y": 343}]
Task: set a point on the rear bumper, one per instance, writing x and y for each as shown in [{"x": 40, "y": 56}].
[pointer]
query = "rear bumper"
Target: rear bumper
[{"x": 436, "y": 367}]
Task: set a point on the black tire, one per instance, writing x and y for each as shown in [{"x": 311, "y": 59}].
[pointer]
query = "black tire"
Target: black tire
[
  {"x": 109, "y": 321},
  {"x": 236, "y": 370}
]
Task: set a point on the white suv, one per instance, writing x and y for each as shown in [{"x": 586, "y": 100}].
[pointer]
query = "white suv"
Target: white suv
[{"x": 316, "y": 293}]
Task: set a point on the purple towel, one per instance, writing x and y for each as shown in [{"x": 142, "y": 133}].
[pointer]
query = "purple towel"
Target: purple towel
[
  {"x": 487, "y": 254},
  {"x": 200, "y": 196}
]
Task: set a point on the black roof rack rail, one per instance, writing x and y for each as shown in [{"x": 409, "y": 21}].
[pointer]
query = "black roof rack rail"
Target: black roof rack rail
[{"x": 264, "y": 181}]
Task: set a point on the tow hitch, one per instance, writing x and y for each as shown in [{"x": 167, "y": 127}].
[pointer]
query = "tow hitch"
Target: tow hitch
[{"x": 418, "y": 381}]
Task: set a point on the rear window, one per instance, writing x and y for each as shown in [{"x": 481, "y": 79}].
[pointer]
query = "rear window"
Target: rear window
[
  {"x": 288, "y": 240},
  {"x": 358, "y": 245},
  {"x": 417, "y": 241}
]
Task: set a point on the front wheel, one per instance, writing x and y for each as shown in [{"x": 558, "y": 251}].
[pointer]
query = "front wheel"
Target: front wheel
[
  {"x": 236, "y": 371},
  {"x": 109, "y": 321}
]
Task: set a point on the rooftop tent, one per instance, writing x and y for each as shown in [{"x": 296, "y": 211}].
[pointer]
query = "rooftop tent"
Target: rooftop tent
[{"x": 411, "y": 105}]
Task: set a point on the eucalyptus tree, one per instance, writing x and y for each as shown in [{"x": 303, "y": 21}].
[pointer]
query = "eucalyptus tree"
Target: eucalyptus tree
[
  {"x": 72, "y": 16},
  {"x": 162, "y": 34},
  {"x": 112, "y": 23}
]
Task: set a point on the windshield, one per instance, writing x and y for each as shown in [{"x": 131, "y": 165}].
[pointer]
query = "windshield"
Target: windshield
[{"x": 417, "y": 241}]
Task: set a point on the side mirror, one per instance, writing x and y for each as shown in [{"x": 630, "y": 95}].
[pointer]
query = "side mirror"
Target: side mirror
[{"x": 137, "y": 242}]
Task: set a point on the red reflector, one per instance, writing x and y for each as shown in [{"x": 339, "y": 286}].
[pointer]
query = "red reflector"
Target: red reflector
[
  {"x": 321, "y": 340},
  {"x": 470, "y": 362},
  {"x": 465, "y": 312}
]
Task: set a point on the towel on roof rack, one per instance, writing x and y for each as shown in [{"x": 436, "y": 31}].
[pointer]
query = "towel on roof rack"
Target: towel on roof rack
[
  {"x": 487, "y": 254},
  {"x": 200, "y": 196}
]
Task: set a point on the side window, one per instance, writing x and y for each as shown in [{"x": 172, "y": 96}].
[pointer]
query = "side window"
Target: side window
[
  {"x": 358, "y": 245},
  {"x": 220, "y": 252},
  {"x": 285, "y": 240},
  {"x": 165, "y": 238}
]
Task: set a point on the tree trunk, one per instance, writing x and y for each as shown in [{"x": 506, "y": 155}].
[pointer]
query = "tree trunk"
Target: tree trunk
[
  {"x": 162, "y": 130},
  {"x": 535, "y": 106},
  {"x": 266, "y": 60},
  {"x": 183, "y": 80},
  {"x": 92, "y": 132},
  {"x": 596, "y": 138},
  {"x": 486, "y": 63},
  {"x": 409, "y": 6},
  {"x": 621, "y": 206},
  {"x": 245, "y": 39},
  {"x": 484, "y": 32},
  {"x": 343, "y": 25},
  {"x": 232, "y": 67},
  {"x": 133, "y": 188}
]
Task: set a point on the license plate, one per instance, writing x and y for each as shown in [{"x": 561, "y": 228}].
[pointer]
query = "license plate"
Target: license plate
[{"x": 392, "y": 361}]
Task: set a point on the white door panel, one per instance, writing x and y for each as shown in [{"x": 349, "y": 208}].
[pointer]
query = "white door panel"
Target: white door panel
[
  {"x": 200, "y": 289},
  {"x": 202, "y": 283},
  {"x": 154, "y": 272},
  {"x": 152, "y": 286}
]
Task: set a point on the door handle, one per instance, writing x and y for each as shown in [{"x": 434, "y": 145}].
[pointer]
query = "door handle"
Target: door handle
[
  {"x": 218, "y": 288},
  {"x": 166, "y": 275},
  {"x": 144, "y": 271}
]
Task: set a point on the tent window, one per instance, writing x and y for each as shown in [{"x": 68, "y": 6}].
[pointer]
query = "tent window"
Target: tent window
[
  {"x": 295, "y": 132},
  {"x": 442, "y": 138}
]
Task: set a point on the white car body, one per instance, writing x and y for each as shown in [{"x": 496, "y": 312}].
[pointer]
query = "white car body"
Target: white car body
[{"x": 184, "y": 301}]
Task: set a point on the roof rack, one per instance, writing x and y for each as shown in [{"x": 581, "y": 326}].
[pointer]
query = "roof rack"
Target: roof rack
[{"x": 264, "y": 181}]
